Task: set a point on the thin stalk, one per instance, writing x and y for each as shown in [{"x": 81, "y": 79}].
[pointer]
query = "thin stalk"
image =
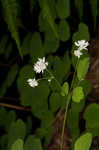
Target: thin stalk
[
  {"x": 66, "y": 109},
  {"x": 64, "y": 123}
]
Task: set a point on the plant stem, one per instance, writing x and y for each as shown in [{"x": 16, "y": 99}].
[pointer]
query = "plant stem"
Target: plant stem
[
  {"x": 64, "y": 123},
  {"x": 66, "y": 108}
]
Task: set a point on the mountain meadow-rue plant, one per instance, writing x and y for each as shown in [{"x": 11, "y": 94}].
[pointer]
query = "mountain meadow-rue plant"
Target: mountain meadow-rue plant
[{"x": 44, "y": 86}]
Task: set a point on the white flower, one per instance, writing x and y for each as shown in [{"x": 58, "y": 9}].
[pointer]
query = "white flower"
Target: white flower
[
  {"x": 40, "y": 65},
  {"x": 82, "y": 44},
  {"x": 77, "y": 53},
  {"x": 32, "y": 82}
]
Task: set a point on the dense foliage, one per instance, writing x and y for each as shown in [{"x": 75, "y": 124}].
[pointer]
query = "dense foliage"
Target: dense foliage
[{"x": 33, "y": 29}]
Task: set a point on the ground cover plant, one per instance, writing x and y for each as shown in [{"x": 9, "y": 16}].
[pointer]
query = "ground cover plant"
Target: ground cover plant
[{"x": 45, "y": 84}]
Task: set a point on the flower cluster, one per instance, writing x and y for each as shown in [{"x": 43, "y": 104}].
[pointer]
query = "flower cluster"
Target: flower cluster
[
  {"x": 82, "y": 45},
  {"x": 39, "y": 67},
  {"x": 41, "y": 64}
]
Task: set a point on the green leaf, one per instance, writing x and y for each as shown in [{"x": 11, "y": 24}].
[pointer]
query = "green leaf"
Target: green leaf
[
  {"x": 29, "y": 124},
  {"x": 8, "y": 50},
  {"x": 55, "y": 101},
  {"x": 58, "y": 68},
  {"x": 65, "y": 89},
  {"x": 9, "y": 80},
  {"x": 17, "y": 130},
  {"x": 36, "y": 98},
  {"x": 25, "y": 73},
  {"x": 52, "y": 6},
  {"x": 46, "y": 13},
  {"x": 41, "y": 132},
  {"x": 32, "y": 45},
  {"x": 73, "y": 123},
  {"x": 3, "y": 44},
  {"x": 4, "y": 142},
  {"x": 10, "y": 117},
  {"x": 43, "y": 23},
  {"x": 82, "y": 34},
  {"x": 67, "y": 65},
  {"x": 54, "y": 86},
  {"x": 64, "y": 31},
  {"x": 51, "y": 44},
  {"x": 84, "y": 142},
  {"x": 18, "y": 145},
  {"x": 26, "y": 44},
  {"x": 11, "y": 11},
  {"x": 39, "y": 99},
  {"x": 63, "y": 8},
  {"x": 94, "y": 9},
  {"x": 73, "y": 119},
  {"x": 36, "y": 47},
  {"x": 91, "y": 115},
  {"x": 87, "y": 86},
  {"x": 79, "y": 7},
  {"x": 61, "y": 67},
  {"x": 49, "y": 136},
  {"x": 32, "y": 143},
  {"x": 78, "y": 94},
  {"x": 32, "y": 4},
  {"x": 82, "y": 68},
  {"x": 47, "y": 119},
  {"x": 46, "y": 134}
]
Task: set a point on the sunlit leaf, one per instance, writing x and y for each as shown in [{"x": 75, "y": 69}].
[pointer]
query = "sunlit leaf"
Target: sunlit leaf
[
  {"x": 18, "y": 145},
  {"x": 78, "y": 94},
  {"x": 82, "y": 68},
  {"x": 65, "y": 89},
  {"x": 84, "y": 142}
]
